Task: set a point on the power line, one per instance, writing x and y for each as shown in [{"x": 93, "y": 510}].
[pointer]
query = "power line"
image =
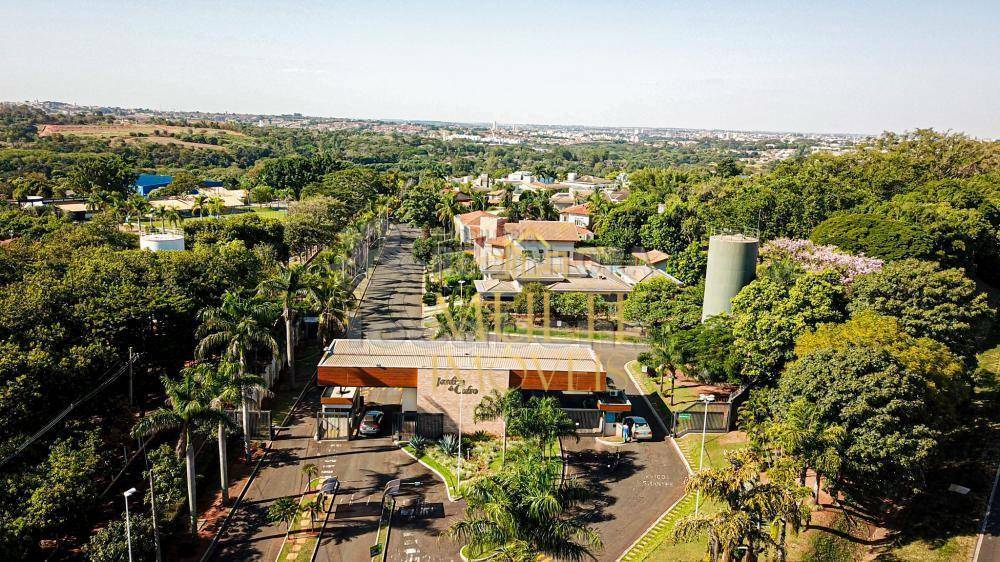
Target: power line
[{"x": 110, "y": 377}]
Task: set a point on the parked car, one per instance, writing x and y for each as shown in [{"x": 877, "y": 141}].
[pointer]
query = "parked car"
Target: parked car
[
  {"x": 640, "y": 428},
  {"x": 371, "y": 424}
]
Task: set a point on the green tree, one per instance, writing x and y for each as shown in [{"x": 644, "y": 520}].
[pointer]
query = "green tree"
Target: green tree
[
  {"x": 226, "y": 386},
  {"x": 283, "y": 510},
  {"x": 67, "y": 487},
  {"x": 572, "y": 306},
  {"x": 238, "y": 329},
  {"x": 654, "y": 303},
  {"x": 873, "y": 236},
  {"x": 543, "y": 422},
  {"x": 288, "y": 288},
  {"x": 688, "y": 265},
  {"x": 503, "y": 406},
  {"x": 885, "y": 411},
  {"x": 106, "y": 173},
  {"x": 942, "y": 304},
  {"x": 314, "y": 223},
  {"x": 522, "y": 512},
  {"x": 111, "y": 543},
  {"x": 187, "y": 405},
  {"x": 447, "y": 208},
  {"x": 332, "y": 297},
  {"x": 420, "y": 204},
  {"x": 751, "y": 508},
  {"x": 622, "y": 225}
]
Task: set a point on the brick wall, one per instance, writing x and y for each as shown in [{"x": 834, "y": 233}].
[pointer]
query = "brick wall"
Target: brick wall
[{"x": 436, "y": 394}]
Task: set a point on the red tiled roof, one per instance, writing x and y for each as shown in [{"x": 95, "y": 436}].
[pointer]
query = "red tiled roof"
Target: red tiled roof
[
  {"x": 583, "y": 209},
  {"x": 473, "y": 218}
]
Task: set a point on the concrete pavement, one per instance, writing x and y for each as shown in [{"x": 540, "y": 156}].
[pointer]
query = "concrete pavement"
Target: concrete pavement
[{"x": 988, "y": 543}]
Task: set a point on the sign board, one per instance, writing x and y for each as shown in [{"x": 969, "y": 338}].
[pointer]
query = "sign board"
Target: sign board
[
  {"x": 683, "y": 416},
  {"x": 374, "y": 550}
]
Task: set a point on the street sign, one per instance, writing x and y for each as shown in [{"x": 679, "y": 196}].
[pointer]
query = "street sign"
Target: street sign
[
  {"x": 374, "y": 550},
  {"x": 683, "y": 416}
]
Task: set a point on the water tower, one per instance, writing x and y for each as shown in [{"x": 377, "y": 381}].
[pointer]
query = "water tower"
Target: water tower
[
  {"x": 732, "y": 265},
  {"x": 161, "y": 242}
]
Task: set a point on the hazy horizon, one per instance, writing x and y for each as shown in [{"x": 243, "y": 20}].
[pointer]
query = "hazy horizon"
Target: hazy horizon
[{"x": 849, "y": 68}]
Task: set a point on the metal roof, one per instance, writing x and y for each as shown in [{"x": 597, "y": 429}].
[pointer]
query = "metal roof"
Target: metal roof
[{"x": 462, "y": 355}]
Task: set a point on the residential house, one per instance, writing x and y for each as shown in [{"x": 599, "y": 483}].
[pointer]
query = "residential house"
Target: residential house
[
  {"x": 577, "y": 214},
  {"x": 653, "y": 258},
  {"x": 478, "y": 224}
]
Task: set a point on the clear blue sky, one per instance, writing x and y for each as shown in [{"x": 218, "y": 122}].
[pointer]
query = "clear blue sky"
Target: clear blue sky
[{"x": 837, "y": 66}]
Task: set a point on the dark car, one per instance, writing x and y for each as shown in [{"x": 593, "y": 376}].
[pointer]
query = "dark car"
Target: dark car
[{"x": 371, "y": 424}]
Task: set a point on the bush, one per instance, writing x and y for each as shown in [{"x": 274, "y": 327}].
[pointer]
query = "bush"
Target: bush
[
  {"x": 111, "y": 545},
  {"x": 430, "y": 298},
  {"x": 449, "y": 444},
  {"x": 873, "y": 236},
  {"x": 419, "y": 444},
  {"x": 423, "y": 249}
]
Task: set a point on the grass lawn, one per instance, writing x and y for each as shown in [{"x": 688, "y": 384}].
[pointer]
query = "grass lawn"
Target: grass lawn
[
  {"x": 580, "y": 334},
  {"x": 301, "y": 539}
]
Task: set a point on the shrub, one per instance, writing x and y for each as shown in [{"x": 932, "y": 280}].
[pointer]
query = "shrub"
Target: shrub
[
  {"x": 419, "y": 444},
  {"x": 449, "y": 444},
  {"x": 430, "y": 298}
]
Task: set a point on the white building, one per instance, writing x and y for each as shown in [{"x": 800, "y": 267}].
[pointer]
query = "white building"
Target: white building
[{"x": 577, "y": 214}]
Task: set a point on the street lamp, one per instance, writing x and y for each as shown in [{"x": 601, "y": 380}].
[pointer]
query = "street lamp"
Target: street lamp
[
  {"x": 128, "y": 523},
  {"x": 461, "y": 401},
  {"x": 706, "y": 399},
  {"x": 461, "y": 289}
]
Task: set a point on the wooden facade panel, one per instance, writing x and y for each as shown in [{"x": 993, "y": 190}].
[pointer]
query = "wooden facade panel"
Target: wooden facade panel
[
  {"x": 556, "y": 380},
  {"x": 614, "y": 407},
  {"x": 388, "y": 377}
]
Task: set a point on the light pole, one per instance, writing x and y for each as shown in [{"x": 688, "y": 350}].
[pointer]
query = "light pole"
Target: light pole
[
  {"x": 152, "y": 513},
  {"x": 128, "y": 523},
  {"x": 707, "y": 399},
  {"x": 461, "y": 289}
]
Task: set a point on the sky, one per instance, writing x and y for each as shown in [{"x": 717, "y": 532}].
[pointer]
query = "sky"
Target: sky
[{"x": 805, "y": 66}]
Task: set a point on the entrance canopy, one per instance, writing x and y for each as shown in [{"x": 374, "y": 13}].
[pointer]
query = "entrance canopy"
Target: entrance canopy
[{"x": 399, "y": 363}]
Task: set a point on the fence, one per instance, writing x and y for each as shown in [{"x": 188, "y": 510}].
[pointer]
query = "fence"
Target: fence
[
  {"x": 334, "y": 425},
  {"x": 260, "y": 426},
  {"x": 586, "y": 420},
  {"x": 693, "y": 418},
  {"x": 428, "y": 426}
]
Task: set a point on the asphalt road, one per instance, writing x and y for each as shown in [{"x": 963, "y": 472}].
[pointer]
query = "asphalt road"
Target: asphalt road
[{"x": 988, "y": 544}]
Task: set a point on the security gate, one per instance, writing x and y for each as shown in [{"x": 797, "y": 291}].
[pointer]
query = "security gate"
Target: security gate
[
  {"x": 333, "y": 425},
  {"x": 586, "y": 420},
  {"x": 428, "y": 426}
]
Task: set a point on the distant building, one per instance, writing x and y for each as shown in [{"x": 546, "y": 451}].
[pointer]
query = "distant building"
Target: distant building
[
  {"x": 477, "y": 224},
  {"x": 652, "y": 258},
  {"x": 146, "y": 183}
]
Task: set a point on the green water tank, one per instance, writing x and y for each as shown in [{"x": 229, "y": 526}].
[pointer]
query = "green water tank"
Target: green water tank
[{"x": 732, "y": 265}]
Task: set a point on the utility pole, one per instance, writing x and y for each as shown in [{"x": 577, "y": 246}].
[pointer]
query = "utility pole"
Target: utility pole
[{"x": 707, "y": 399}]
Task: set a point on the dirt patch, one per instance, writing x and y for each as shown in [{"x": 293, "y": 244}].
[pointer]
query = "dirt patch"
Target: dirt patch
[{"x": 125, "y": 129}]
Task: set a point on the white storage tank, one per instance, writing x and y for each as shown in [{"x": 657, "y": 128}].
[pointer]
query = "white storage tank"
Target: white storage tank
[
  {"x": 161, "y": 242},
  {"x": 732, "y": 265}
]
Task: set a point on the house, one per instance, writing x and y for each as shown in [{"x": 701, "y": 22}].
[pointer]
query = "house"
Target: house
[
  {"x": 471, "y": 226},
  {"x": 562, "y": 200},
  {"x": 652, "y": 258},
  {"x": 146, "y": 183},
  {"x": 577, "y": 214}
]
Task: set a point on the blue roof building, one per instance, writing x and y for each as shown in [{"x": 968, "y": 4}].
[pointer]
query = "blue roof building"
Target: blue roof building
[{"x": 146, "y": 183}]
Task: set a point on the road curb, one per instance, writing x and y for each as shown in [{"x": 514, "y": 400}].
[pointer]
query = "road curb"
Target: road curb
[{"x": 447, "y": 488}]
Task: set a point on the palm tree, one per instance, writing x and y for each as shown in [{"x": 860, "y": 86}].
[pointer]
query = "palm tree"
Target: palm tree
[
  {"x": 283, "y": 509},
  {"x": 287, "y": 287},
  {"x": 160, "y": 214},
  {"x": 507, "y": 199},
  {"x": 503, "y": 407},
  {"x": 332, "y": 298},
  {"x": 751, "y": 507},
  {"x": 199, "y": 205},
  {"x": 310, "y": 471},
  {"x": 523, "y": 512},
  {"x": 187, "y": 405},
  {"x": 668, "y": 355},
  {"x": 237, "y": 329},
  {"x": 173, "y": 217},
  {"x": 227, "y": 386},
  {"x": 97, "y": 200},
  {"x": 447, "y": 208},
  {"x": 456, "y": 322},
  {"x": 802, "y": 435},
  {"x": 313, "y": 508},
  {"x": 480, "y": 200}
]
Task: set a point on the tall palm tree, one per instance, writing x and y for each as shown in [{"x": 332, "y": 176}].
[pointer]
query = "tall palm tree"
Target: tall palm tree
[
  {"x": 160, "y": 213},
  {"x": 289, "y": 285},
  {"x": 803, "y": 436},
  {"x": 503, "y": 406},
  {"x": 215, "y": 206},
  {"x": 309, "y": 470},
  {"x": 237, "y": 329},
  {"x": 668, "y": 356},
  {"x": 332, "y": 298},
  {"x": 284, "y": 509},
  {"x": 751, "y": 507},
  {"x": 97, "y": 201},
  {"x": 313, "y": 508},
  {"x": 523, "y": 512},
  {"x": 173, "y": 216},
  {"x": 187, "y": 405},
  {"x": 227, "y": 386}
]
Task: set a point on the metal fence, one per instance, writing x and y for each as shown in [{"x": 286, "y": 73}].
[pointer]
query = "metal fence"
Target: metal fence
[
  {"x": 587, "y": 420},
  {"x": 260, "y": 426},
  {"x": 693, "y": 418},
  {"x": 428, "y": 426}
]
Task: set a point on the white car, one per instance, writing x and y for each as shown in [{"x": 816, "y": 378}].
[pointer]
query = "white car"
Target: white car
[
  {"x": 640, "y": 428},
  {"x": 371, "y": 424}
]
